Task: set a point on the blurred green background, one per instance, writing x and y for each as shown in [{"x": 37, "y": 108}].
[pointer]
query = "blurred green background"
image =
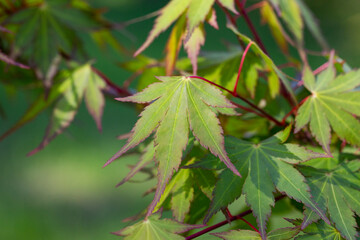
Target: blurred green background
[{"x": 62, "y": 192}]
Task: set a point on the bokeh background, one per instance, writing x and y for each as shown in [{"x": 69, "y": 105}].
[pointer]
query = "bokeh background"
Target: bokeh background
[{"x": 63, "y": 192}]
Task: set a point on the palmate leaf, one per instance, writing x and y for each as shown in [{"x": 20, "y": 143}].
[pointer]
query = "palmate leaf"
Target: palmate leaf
[
  {"x": 265, "y": 167},
  {"x": 277, "y": 234},
  {"x": 333, "y": 103},
  {"x": 46, "y": 29},
  {"x": 82, "y": 83},
  {"x": 338, "y": 192},
  {"x": 154, "y": 228},
  {"x": 180, "y": 103}
]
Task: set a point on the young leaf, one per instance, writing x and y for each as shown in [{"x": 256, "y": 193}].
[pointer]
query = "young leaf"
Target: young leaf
[
  {"x": 154, "y": 228},
  {"x": 332, "y": 103},
  {"x": 180, "y": 103},
  {"x": 265, "y": 166},
  {"x": 338, "y": 192}
]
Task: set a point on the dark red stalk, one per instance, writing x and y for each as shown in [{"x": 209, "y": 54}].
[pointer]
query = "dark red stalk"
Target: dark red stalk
[
  {"x": 220, "y": 224},
  {"x": 232, "y": 20},
  {"x": 293, "y": 110},
  {"x": 251, "y": 26},
  {"x": 240, "y": 218},
  {"x": 262, "y": 112},
  {"x": 121, "y": 91},
  {"x": 240, "y": 67}
]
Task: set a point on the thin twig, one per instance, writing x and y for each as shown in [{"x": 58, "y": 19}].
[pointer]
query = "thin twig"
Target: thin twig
[
  {"x": 220, "y": 224},
  {"x": 251, "y": 26},
  {"x": 240, "y": 67}
]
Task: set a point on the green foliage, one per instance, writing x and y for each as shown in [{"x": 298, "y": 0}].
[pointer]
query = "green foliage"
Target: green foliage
[
  {"x": 332, "y": 103},
  {"x": 219, "y": 119}
]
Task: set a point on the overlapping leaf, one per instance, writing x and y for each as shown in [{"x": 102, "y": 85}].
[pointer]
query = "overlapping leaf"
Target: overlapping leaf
[
  {"x": 317, "y": 231},
  {"x": 180, "y": 103},
  {"x": 338, "y": 193},
  {"x": 154, "y": 228},
  {"x": 82, "y": 83},
  {"x": 277, "y": 234},
  {"x": 196, "y": 12},
  {"x": 333, "y": 102},
  {"x": 265, "y": 167},
  {"x": 48, "y": 28}
]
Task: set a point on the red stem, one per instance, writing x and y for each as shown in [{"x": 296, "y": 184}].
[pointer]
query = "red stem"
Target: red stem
[
  {"x": 251, "y": 26},
  {"x": 293, "y": 110},
  {"x": 249, "y": 224},
  {"x": 233, "y": 22},
  {"x": 220, "y": 224},
  {"x": 119, "y": 90},
  {"x": 240, "y": 67},
  {"x": 263, "y": 113}
]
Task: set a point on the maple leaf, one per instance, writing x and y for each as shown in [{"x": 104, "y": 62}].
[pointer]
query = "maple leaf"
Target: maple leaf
[
  {"x": 180, "y": 103},
  {"x": 338, "y": 192},
  {"x": 265, "y": 167},
  {"x": 332, "y": 103},
  {"x": 277, "y": 234},
  {"x": 45, "y": 29},
  {"x": 83, "y": 83},
  {"x": 154, "y": 228}
]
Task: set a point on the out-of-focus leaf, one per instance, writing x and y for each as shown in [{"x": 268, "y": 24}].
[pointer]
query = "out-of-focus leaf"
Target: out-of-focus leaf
[
  {"x": 230, "y": 4},
  {"x": 290, "y": 12},
  {"x": 212, "y": 18},
  {"x": 173, "y": 44},
  {"x": 66, "y": 108},
  {"x": 154, "y": 228},
  {"x": 168, "y": 15},
  {"x": 46, "y": 28},
  {"x": 267, "y": 60},
  {"x": 338, "y": 193},
  {"x": 312, "y": 24},
  {"x": 197, "y": 12},
  {"x": 193, "y": 45},
  {"x": 269, "y": 16}
]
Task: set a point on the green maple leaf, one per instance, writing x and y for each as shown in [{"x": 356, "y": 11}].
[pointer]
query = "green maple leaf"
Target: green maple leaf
[
  {"x": 338, "y": 192},
  {"x": 154, "y": 228},
  {"x": 317, "y": 231},
  {"x": 49, "y": 26},
  {"x": 277, "y": 234},
  {"x": 81, "y": 84},
  {"x": 333, "y": 103},
  {"x": 265, "y": 167},
  {"x": 180, "y": 103}
]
